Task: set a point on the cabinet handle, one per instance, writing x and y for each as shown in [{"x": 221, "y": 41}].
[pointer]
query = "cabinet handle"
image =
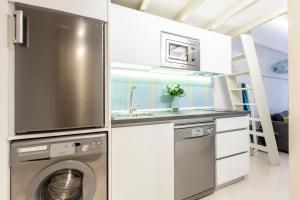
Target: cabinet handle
[{"x": 19, "y": 37}]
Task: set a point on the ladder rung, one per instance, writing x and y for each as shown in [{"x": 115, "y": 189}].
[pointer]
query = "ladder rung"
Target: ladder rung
[
  {"x": 259, "y": 147},
  {"x": 238, "y": 57},
  {"x": 245, "y": 104},
  {"x": 239, "y": 73},
  {"x": 256, "y": 133},
  {"x": 254, "y": 119},
  {"x": 241, "y": 89}
]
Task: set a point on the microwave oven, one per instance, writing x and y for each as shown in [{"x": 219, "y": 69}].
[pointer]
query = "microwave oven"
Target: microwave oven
[{"x": 180, "y": 52}]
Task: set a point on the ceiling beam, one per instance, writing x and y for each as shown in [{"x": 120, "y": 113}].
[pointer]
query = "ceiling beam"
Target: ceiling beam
[
  {"x": 188, "y": 9},
  {"x": 143, "y": 4},
  {"x": 281, "y": 10},
  {"x": 229, "y": 13}
]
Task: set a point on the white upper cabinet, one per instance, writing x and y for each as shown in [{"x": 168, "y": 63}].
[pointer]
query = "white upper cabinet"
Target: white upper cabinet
[
  {"x": 96, "y": 9},
  {"x": 135, "y": 39},
  {"x": 215, "y": 48},
  {"x": 134, "y": 36},
  {"x": 215, "y": 53}
]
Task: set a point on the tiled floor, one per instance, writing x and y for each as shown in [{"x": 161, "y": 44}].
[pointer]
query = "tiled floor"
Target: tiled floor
[{"x": 264, "y": 183}]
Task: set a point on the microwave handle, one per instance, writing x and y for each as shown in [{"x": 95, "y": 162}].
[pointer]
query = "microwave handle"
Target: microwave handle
[{"x": 19, "y": 36}]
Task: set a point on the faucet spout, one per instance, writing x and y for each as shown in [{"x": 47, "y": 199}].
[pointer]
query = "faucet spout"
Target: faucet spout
[{"x": 131, "y": 108}]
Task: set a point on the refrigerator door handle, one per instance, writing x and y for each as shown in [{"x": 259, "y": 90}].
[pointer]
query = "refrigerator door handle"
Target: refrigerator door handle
[{"x": 19, "y": 36}]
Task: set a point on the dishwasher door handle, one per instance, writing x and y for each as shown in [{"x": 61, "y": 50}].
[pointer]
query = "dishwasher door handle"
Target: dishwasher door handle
[
  {"x": 183, "y": 126},
  {"x": 200, "y": 136}
]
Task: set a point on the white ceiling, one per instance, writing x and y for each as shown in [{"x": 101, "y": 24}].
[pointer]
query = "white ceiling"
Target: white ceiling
[
  {"x": 257, "y": 9},
  {"x": 272, "y": 34},
  {"x": 209, "y": 10}
]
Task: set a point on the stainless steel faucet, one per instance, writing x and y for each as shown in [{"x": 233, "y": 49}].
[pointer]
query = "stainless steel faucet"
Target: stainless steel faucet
[{"x": 131, "y": 108}]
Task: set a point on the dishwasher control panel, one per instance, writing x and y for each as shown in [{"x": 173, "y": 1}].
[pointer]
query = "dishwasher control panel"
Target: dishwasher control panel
[
  {"x": 198, "y": 132},
  {"x": 194, "y": 130}
]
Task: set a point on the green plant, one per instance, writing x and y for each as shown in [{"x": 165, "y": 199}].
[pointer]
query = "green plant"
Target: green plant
[{"x": 175, "y": 90}]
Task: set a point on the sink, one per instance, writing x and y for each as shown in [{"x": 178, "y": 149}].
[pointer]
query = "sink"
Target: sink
[{"x": 132, "y": 115}]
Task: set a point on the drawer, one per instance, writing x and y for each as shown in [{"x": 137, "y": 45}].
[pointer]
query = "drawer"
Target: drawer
[
  {"x": 230, "y": 143},
  {"x": 232, "y": 123},
  {"x": 231, "y": 168}
]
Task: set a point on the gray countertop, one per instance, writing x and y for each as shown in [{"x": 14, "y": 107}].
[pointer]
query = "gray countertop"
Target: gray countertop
[{"x": 155, "y": 117}]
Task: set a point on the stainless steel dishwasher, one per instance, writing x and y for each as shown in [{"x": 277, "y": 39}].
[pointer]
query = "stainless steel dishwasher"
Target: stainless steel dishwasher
[{"x": 194, "y": 160}]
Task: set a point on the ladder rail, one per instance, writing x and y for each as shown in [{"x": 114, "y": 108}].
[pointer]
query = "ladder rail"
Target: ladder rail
[
  {"x": 257, "y": 100},
  {"x": 260, "y": 97}
]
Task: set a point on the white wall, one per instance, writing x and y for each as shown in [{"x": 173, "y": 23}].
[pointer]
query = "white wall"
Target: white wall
[
  {"x": 4, "y": 165},
  {"x": 276, "y": 85},
  {"x": 294, "y": 98}
]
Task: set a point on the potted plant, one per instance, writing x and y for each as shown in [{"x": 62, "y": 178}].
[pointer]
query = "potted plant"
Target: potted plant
[{"x": 175, "y": 91}]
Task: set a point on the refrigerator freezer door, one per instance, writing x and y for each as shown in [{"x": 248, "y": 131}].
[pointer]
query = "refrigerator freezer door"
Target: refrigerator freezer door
[{"x": 59, "y": 72}]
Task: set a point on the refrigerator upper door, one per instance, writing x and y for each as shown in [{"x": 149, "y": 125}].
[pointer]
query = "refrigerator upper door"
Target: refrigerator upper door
[{"x": 59, "y": 72}]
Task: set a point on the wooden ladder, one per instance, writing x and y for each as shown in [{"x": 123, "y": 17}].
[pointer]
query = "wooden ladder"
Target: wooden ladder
[{"x": 258, "y": 104}]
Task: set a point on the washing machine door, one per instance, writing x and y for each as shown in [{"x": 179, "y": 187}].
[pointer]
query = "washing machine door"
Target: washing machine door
[{"x": 65, "y": 180}]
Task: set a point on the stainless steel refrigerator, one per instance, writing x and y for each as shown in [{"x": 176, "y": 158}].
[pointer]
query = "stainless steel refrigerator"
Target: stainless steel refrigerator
[{"x": 59, "y": 71}]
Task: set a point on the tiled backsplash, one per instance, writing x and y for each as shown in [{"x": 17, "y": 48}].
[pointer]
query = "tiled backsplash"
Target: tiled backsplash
[{"x": 150, "y": 90}]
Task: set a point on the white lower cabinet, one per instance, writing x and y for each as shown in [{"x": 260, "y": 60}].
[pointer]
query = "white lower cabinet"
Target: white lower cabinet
[
  {"x": 232, "y": 149},
  {"x": 143, "y": 162},
  {"x": 231, "y": 168}
]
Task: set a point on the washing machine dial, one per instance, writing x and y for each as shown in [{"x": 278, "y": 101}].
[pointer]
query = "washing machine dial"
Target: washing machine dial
[{"x": 85, "y": 147}]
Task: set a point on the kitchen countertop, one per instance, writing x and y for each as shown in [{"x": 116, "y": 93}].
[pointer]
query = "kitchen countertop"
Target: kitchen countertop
[{"x": 153, "y": 117}]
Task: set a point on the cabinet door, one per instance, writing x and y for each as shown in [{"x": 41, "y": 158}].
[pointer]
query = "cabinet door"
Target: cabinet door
[
  {"x": 231, "y": 143},
  {"x": 96, "y": 9},
  {"x": 215, "y": 52},
  {"x": 143, "y": 162},
  {"x": 231, "y": 168},
  {"x": 134, "y": 37},
  {"x": 232, "y": 123}
]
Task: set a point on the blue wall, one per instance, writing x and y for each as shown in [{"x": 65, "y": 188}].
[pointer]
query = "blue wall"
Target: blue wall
[{"x": 150, "y": 89}]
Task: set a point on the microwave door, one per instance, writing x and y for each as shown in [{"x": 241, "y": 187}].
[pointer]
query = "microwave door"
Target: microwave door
[
  {"x": 59, "y": 72},
  {"x": 177, "y": 52}
]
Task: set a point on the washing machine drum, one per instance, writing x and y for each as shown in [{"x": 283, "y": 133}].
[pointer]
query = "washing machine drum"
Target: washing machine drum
[
  {"x": 67, "y": 180},
  {"x": 64, "y": 184}
]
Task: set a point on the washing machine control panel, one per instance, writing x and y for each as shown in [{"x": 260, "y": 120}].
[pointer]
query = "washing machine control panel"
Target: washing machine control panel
[
  {"x": 40, "y": 149},
  {"x": 76, "y": 147}
]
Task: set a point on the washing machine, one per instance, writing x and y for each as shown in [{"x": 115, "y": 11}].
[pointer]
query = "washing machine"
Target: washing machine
[{"x": 60, "y": 168}]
